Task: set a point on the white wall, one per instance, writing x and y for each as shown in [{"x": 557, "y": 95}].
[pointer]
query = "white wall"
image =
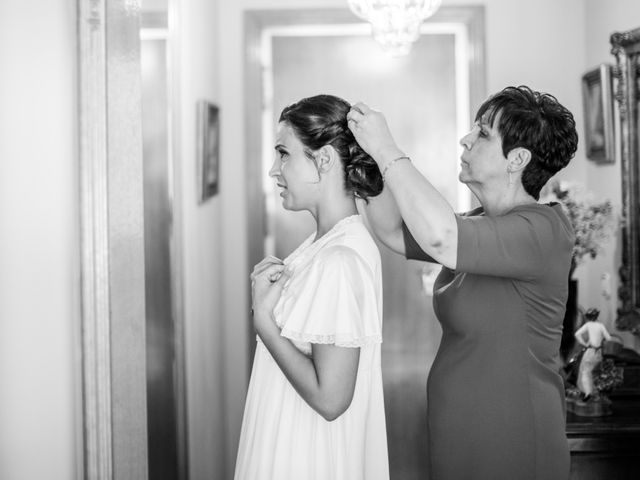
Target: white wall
[
  {"x": 39, "y": 281},
  {"x": 197, "y": 78}
]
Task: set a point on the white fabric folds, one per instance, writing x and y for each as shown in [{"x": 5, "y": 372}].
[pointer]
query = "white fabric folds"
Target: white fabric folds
[
  {"x": 334, "y": 296},
  {"x": 331, "y": 299}
]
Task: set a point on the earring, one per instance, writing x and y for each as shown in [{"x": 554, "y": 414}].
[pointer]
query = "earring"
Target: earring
[{"x": 510, "y": 179}]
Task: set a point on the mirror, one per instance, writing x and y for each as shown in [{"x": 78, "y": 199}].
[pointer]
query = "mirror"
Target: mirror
[{"x": 626, "y": 49}]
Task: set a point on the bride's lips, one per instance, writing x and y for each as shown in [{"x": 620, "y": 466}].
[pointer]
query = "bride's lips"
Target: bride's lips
[{"x": 284, "y": 189}]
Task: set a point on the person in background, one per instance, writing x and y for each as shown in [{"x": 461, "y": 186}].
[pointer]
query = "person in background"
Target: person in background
[
  {"x": 314, "y": 408},
  {"x": 495, "y": 399}
]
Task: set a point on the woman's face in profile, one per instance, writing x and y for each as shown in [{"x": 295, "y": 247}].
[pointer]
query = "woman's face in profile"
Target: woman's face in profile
[
  {"x": 295, "y": 173},
  {"x": 482, "y": 160}
]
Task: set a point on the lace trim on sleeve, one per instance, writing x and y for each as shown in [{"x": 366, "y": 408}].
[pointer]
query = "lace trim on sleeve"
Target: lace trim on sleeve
[{"x": 337, "y": 340}]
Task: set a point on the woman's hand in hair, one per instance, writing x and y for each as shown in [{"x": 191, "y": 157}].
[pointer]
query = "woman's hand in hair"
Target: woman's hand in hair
[{"x": 370, "y": 129}]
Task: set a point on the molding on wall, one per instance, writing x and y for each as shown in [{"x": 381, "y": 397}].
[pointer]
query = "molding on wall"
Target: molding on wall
[
  {"x": 96, "y": 347},
  {"x": 113, "y": 312}
]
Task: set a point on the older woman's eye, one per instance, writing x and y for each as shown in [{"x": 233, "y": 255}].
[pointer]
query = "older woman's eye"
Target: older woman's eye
[{"x": 482, "y": 130}]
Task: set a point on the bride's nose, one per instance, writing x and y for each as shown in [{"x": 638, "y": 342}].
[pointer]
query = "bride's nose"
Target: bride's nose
[{"x": 274, "y": 171}]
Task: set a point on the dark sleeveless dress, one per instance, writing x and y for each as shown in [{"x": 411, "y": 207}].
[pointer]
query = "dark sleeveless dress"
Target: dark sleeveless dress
[{"x": 496, "y": 408}]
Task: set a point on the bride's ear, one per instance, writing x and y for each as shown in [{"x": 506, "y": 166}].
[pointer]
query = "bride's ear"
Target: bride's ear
[{"x": 326, "y": 158}]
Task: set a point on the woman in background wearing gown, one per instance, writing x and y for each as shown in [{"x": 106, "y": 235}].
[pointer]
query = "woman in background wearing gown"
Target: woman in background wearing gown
[
  {"x": 314, "y": 408},
  {"x": 495, "y": 399}
]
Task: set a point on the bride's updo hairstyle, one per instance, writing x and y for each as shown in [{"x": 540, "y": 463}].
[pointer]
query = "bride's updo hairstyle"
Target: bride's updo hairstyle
[{"x": 322, "y": 120}]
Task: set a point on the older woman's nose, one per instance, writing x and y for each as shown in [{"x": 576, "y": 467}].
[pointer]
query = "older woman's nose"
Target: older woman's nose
[{"x": 467, "y": 140}]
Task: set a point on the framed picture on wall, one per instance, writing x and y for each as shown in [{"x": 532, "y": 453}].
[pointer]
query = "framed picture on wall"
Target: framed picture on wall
[
  {"x": 598, "y": 114},
  {"x": 208, "y": 149}
]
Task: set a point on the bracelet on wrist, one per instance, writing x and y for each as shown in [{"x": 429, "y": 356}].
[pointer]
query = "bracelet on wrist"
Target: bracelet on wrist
[{"x": 390, "y": 164}]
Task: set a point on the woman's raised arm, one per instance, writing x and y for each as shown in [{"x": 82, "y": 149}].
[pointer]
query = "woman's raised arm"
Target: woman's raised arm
[
  {"x": 383, "y": 217},
  {"x": 426, "y": 212}
]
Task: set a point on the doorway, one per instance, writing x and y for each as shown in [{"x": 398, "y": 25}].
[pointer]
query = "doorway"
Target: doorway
[
  {"x": 166, "y": 410},
  {"x": 131, "y": 344},
  {"x": 427, "y": 98}
]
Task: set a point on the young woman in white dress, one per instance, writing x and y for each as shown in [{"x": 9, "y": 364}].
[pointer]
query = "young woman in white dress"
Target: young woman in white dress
[{"x": 314, "y": 408}]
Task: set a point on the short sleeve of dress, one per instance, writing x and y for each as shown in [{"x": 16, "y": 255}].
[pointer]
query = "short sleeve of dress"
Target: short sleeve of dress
[
  {"x": 336, "y": 302},
  {"x": 516, "y": 245},
  {"x": 413, "y": 251}
]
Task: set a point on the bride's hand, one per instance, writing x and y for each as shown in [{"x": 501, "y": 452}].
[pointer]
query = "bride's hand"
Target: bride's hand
[{"x": 267, "y": 280}]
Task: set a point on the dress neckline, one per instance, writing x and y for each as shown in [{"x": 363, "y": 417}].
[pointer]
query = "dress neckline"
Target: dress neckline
[
  {"x": 309, "y": 246},
  {"x": 340, "y": 223}
]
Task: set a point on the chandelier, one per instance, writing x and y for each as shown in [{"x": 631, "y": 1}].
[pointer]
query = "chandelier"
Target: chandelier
[{"x": 395, "y": 23}]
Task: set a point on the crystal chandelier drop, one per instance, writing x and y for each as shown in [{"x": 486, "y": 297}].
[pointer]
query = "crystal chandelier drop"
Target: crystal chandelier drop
[{"x": 395, "y": 23}]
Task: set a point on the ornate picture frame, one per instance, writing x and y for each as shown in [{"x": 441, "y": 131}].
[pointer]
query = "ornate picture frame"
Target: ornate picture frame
[{"x": 598, "y": 114}]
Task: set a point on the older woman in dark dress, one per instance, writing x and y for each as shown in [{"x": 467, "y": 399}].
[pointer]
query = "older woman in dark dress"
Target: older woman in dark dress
[{"x": 495, "y": 398}]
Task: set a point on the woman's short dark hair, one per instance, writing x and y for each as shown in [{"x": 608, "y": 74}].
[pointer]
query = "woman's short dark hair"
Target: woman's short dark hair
[
  {"x": 538, "y": 122},
  {"x": 322, "y": 120}
]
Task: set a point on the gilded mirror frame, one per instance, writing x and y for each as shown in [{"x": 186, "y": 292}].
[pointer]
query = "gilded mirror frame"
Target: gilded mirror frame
[{"x": 626, "y": 49}]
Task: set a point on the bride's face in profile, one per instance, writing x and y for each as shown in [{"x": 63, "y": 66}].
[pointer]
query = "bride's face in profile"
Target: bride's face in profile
[{"x": 295, "y": 173}]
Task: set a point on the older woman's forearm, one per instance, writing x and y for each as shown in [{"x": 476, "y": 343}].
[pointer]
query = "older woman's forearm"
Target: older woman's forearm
[
  {"x": 426, "y": 212},
  {"x": 383, "y": 217}
]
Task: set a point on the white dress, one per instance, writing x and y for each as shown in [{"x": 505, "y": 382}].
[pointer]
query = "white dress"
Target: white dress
[{"x": 334, "y": 296}]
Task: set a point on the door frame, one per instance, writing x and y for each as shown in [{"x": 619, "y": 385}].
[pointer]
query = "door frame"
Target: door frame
[
  {"x": 156, "y": 26},
  {"x": 114, "y": 416}
]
